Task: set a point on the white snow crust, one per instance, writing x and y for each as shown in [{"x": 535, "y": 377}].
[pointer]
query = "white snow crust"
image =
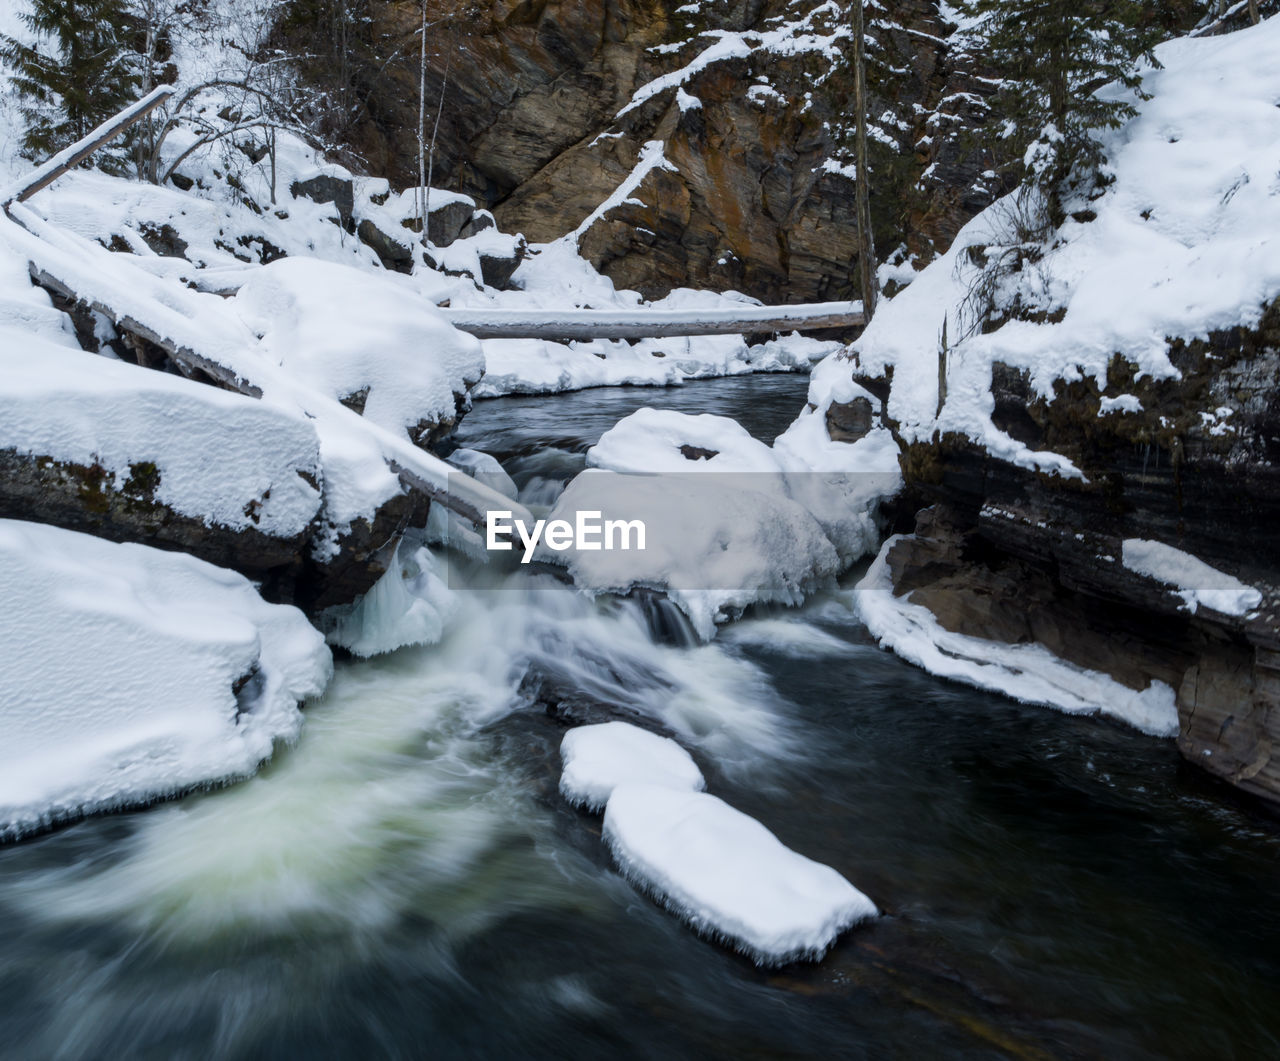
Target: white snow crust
[
  {"x": 1198, "y": 584},
  {"x": 122, "y": 690},
  {"x": 343, "y": 331},
  {"x": 73, "y": 407},
  {"x": 750, "y": 523},
  {"x": 715, "y": 546},
  {"x": 1027, "y": 672},
  {"x": 597, "y": 759},
  {"x": 727, "y": 875}
]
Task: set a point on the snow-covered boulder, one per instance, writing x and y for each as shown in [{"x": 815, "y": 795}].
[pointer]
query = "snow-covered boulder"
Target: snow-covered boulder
[
  {"x": 660, "y": 441},
  {"x": 729, "y": 521},
  {"x": 727, "y": 875},
  {"x": 142, "y": 674},
  {"x": 597, "y": 759},
  {"x": 712, "y": 545},
  {"x": 94, "y": 444},
  {"x": 365, "y": 340}
]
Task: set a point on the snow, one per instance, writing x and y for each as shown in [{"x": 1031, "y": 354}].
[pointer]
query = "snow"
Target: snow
[
  {"x": 649, "y": 441},
  {"x": 1122, "y": 403},
  {"x": 77, "y": 408},
  {"x": 651, "y": 158},
  {"x": 731, "y": 521},
  {"x": 344, "y": 331},
  {"x": 727, "y": 875},
  {"x": 67, "y": 155},
  {"x": 713, "y": 543},
  {"x": 1198, "y": 584},
  {"x": 1026, "y": 672},
  {"x": 597, "y": 759},
  {"x": 356, "y": 451},
  {"x": 123, "y": 690},
  {"x": 411, "y": 604},
  {"x": 798, "y": 37},
  {"x": 1183, "y": 243}
]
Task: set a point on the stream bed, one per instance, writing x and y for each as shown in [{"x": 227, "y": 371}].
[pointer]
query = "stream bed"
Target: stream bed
[{"x": 407, "y": 882}]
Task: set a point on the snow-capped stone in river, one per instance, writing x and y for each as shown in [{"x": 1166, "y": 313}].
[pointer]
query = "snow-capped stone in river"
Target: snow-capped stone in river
[
  {"x": 729, "y": 876},
  {"x": 597, "y": 759},
  {"x": 142, "y": 674}
]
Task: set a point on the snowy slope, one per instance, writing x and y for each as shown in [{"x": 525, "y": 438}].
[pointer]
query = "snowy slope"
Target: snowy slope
[{"x": 1183, "y": 242}]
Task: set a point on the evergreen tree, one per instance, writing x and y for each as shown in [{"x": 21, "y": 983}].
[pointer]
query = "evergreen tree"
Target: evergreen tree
[
  {"x": 1052, "y": 56},
  {"x": 88, "y": 73}
]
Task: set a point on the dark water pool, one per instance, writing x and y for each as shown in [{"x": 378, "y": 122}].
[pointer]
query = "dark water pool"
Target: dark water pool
[{"x": 406, "y": 882}]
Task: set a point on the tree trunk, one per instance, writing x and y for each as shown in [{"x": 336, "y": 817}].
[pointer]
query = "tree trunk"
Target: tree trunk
[
  {"x": 862, "y": 189},
  {"x": 422, "y": 124},
  {"x": 435, "y": 129}
]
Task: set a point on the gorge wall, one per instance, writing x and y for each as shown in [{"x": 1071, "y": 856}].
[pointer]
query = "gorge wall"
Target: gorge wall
[
  {"x": 1017, "y": 556},
  {"x": 548, "y": 106}
]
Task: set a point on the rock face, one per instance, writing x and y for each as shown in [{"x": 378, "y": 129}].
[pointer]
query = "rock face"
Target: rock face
[
  {"x": 1004, "y": 553},
  {"x": 550, "y": 102}
]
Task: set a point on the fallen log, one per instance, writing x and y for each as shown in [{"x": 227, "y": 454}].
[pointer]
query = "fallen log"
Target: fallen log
[
  {"x": 580, "y": 325},
  {"x": 70, "y": 157}
]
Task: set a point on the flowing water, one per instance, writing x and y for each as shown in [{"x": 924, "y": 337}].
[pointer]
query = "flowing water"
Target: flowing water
[{"x": 406, "y": 881}]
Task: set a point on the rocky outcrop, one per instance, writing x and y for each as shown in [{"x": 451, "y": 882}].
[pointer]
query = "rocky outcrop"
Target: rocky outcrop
[
  {"x": 1018, "y": 556},
  {"x": 123, "y": 508},
  {"x": 757, "y": 191}
]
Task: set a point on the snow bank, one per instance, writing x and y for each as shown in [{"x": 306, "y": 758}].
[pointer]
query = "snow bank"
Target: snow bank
[
  {"x": 346, "y": 332},
  {"x": 77, "y": 408},
  {"x": 727, "y": 875},
  {"x": 1182, "y": 243},
  {"x": 597, "y": 759},
  {"x": 1028, "y": 672},
  {"x": 1198, "y": 584},
  {"x": 142, "y": 674}
]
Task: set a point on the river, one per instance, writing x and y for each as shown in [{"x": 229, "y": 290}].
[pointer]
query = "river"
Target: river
[{"x": 406, "y": 881}]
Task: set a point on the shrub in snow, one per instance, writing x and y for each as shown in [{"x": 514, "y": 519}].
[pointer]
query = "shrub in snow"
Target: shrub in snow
[{"x": 145, "y": 673}]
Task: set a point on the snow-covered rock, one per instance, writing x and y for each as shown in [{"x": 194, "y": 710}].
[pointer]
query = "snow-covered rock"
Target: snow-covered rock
[
  {"x": 727, "y": 875},
  {"x": 597, "y": 759},
  {"x": 663, "y": 441},
  {"x": 712, "y": 543},
  {"x": 156, "y": 430},
  {"x": 1181, "y": 243},
  {"x": 1026, "y": 672},
  {"x": 362, "y": 338},
  {"x": 729, "y": 520},
  {"x": 141, "y": 674},
  {"x": 1198, "y": 584}
]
